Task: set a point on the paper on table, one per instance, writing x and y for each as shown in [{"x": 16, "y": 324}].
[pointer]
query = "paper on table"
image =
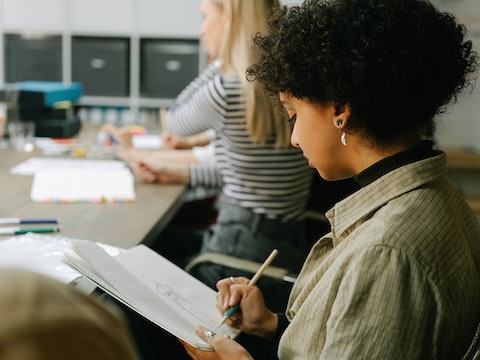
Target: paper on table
[
  {"x": 147, "y": 141},
  {"x": 154, "y": 287},
  {"x": 83, "y": 185},
  {"x": 42, "y": 254},
  {"x": 32, "y": 165}
]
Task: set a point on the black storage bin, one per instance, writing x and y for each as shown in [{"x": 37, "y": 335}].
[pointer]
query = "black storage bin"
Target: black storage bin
[
  {"x": 167, "y": 66},
  {"x": 32, "y": 58},
  {"x": 102, "y": 65}
]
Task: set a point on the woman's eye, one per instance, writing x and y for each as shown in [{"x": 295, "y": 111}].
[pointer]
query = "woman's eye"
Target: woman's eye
[{"x": 293, "y": 119}]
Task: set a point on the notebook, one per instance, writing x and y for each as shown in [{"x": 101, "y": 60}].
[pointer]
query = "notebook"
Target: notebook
[
  {"x": 152, "y": 286},
  {"x": 93, "y": 185}
]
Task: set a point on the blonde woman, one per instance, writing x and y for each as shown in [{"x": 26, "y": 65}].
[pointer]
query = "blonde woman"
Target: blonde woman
[{"x": 265, "y": 180}]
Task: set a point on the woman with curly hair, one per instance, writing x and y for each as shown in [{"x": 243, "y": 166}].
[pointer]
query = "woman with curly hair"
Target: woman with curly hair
[{"x": 398, "y": 277}]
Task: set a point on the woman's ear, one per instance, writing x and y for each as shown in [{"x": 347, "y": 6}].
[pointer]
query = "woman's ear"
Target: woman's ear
[{"x": 342, "y": 114}]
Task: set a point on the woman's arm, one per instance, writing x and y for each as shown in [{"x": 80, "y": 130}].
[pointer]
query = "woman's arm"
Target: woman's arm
[
  {"x": 203, "y": 108},
  {"x": 171, "y": 141},
  {"x": 153, "y": 170}
]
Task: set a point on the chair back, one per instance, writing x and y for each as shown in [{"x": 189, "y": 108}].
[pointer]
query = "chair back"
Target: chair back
[{"x": 473, "y": 352}]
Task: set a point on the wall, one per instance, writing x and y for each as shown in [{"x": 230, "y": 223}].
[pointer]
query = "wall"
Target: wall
[
  {"x": 460, "y": 127},
  {"x": 135, "y": 20}
]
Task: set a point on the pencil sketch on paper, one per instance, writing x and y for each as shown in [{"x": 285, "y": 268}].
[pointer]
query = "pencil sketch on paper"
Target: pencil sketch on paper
[{"x": 169, "y": 294}]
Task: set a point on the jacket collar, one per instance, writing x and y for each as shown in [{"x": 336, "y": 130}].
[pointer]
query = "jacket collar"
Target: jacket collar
[{"x": 376, "y": 194}]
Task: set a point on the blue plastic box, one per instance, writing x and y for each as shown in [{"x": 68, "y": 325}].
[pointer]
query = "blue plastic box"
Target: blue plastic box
[{"x": 47, "y": 93}]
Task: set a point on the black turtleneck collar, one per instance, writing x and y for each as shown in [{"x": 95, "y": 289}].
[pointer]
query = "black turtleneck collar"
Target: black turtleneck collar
[{"x": 372, "y": 173}]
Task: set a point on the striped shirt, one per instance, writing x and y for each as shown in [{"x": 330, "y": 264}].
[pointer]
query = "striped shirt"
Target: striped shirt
[{"x": 265, "y": 179}]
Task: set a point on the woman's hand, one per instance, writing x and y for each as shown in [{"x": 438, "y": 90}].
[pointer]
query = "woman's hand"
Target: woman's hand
[
  {"x": 143, "y": 171},
  {"x": 253, "y": 317},
  {"x": 118, "y": 136},
  {"x": 224, "y": 348},
  {"x": 121, "y": 139},
  {"x": 172, "y": 141},
  {"x": 153, "y": 169}
]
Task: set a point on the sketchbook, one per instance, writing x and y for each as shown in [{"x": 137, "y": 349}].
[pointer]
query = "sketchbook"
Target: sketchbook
[{"x": 152, "y": 286}]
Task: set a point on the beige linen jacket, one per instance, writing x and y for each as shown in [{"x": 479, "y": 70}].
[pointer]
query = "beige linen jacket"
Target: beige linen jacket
[{"x": 397, "y": 278}]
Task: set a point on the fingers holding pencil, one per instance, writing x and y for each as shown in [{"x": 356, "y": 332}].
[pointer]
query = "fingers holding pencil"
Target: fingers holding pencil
[
  {"x": 252, "y": 313},
  {"x": 232, "y": 290}
]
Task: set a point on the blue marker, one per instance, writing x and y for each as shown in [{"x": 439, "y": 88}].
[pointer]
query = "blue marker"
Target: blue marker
[
  {"x": 9, "y": 221},
  {"x": 113, "y": 140}
]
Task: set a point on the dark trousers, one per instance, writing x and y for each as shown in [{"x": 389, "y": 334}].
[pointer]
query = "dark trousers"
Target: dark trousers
[{"x": 243, "y": 234}]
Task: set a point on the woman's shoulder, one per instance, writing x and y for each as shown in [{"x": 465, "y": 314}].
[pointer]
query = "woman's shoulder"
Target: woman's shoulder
[
  {"x": 229, "y": 80},
  {"x": 227, "y": 86}
]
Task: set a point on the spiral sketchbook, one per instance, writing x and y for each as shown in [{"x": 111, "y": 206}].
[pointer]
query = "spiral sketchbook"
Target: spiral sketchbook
[{"x": 152, "y": 286}]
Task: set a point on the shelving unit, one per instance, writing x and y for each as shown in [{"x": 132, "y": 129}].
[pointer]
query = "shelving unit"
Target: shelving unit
[{"x": 105, "y": 41}]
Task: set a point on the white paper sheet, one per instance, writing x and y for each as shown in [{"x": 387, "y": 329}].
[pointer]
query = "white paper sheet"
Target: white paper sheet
[
  {"x": 32, "y": 165},
  {"x": 96, "y": 185}
]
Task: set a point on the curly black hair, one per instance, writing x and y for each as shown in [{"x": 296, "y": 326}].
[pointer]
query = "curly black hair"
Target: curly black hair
[{"x": 397, "y": 63}]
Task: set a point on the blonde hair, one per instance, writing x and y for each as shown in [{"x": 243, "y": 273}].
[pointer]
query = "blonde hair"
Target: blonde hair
[{"x": 263, "y": 115}]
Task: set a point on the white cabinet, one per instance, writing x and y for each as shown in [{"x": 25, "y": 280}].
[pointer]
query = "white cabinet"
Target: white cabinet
[
  {"x": 79, "y": 23},
  {"x": 103, "y": 16},
  {"x": 34, "y": 16},
  {"x": 174, "y": 18}
]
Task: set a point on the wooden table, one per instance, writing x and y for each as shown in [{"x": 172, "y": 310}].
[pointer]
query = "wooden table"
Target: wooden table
[{"x": 122, "y": 225}]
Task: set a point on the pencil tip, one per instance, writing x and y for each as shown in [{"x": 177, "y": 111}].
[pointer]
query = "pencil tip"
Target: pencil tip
[{"x": 222, "y": 322}]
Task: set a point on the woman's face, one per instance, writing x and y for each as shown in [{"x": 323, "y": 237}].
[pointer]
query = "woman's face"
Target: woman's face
[
  {"x": 213, "y": 28},
  {"x": 316, "y": 133}
]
